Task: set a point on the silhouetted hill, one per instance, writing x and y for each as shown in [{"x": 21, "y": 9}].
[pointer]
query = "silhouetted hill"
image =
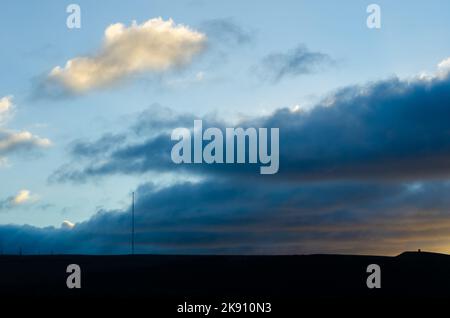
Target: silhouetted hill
[
  {"x": 422, "y": 255},
  {"x": 292, "y": 279}
]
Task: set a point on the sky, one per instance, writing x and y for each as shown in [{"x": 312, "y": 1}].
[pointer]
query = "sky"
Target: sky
[{"x": 86, "y": 115}]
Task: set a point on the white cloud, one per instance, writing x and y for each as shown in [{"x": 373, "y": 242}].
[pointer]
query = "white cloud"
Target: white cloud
[
  {"x": 298, "y": 108},
  {"x": 444, "y": 66},
  {"x": 23, "y": 197},
  {"x": 155, "y": 45},
  {"x": 6, "y": 106},
  {"x": 11, "y": 140},
  {"x": 443, "y": 70},
  {"x": 67, "y": 225}
]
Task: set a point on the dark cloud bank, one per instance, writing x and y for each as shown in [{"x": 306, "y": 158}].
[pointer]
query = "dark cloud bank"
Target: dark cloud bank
[{"x": 363, "y": 172}]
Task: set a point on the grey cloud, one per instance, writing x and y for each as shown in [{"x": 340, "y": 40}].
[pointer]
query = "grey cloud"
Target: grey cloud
[
  {"x": 227, "y": 31},
  {"x": 81, "y": 148},
  {"x": 299, "y": 61}
]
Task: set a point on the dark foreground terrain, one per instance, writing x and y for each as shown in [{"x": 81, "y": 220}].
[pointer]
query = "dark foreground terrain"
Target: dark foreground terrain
[{"x": 220, "y": 278}]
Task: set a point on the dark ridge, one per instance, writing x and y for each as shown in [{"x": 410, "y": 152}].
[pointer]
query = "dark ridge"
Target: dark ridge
[
  {"x": 410, "y": 274},
  {"x": 420, "y": 254}
]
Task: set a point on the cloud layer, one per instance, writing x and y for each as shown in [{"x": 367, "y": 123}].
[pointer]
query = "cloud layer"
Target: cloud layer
[
  {"x": 249, "y": 218},
  {"x": 364, "y": 171},
  {"x": 153, "y": 46}
]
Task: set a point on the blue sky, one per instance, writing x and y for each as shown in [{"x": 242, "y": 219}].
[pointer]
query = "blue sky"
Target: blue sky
[{"x": 227, "y": 80}]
